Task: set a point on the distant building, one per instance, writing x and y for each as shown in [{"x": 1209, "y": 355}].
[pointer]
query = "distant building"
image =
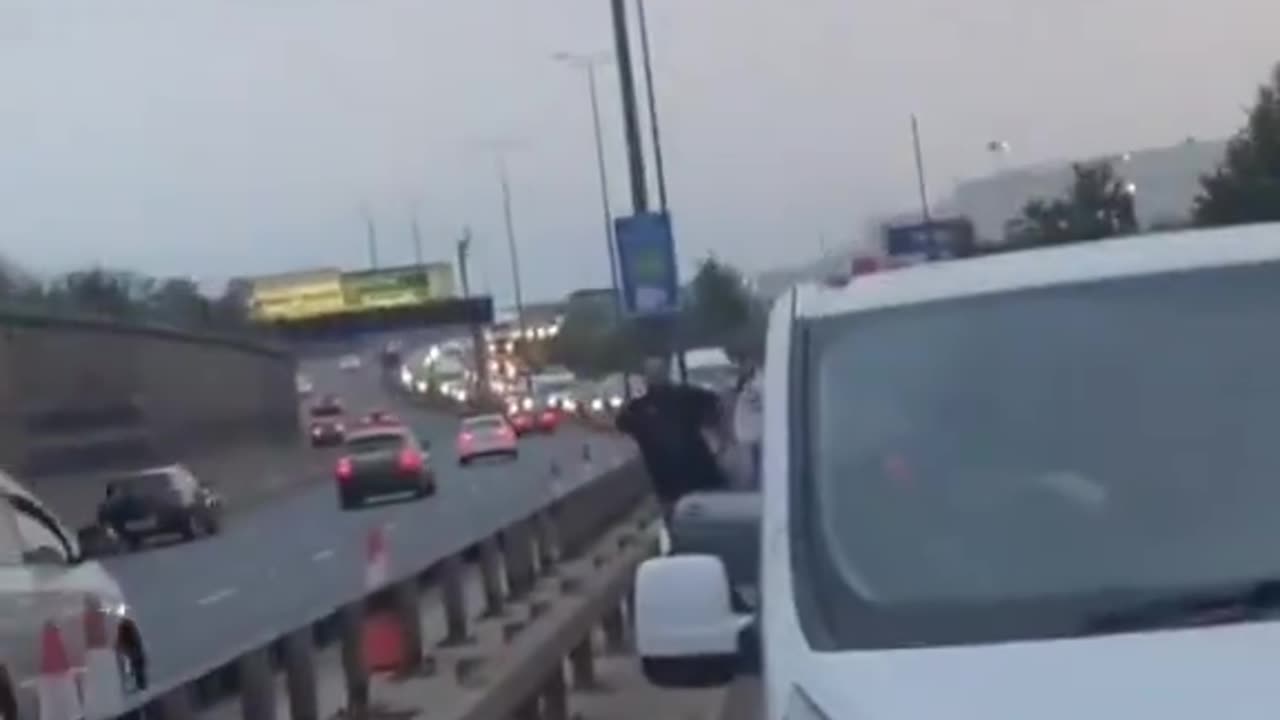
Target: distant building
[{"x": 1166, "y": 181}]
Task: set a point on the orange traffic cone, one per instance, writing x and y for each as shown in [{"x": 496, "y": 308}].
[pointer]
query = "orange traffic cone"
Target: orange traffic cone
[
  {"x": 56, "y": 687},
  {"x": 383, "y": 643},
  {"x": 377, "y": 567},
  {"x": 103, "y": 680}
]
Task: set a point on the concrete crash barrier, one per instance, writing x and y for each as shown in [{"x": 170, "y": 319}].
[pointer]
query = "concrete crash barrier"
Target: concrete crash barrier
[
  {"x": 543, "y": 582},
  {"x": 85, "y": 395}
]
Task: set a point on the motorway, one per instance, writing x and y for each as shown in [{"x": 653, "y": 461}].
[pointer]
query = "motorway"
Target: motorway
[{"x": 297, "y": 559}]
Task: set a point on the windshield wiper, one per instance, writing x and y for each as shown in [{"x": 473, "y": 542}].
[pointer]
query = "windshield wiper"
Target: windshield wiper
[{"x": 1245, "y": 602}]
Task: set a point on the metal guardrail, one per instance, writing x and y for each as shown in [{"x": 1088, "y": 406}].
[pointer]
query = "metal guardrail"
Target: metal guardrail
[{"x": 521, "y": 547}]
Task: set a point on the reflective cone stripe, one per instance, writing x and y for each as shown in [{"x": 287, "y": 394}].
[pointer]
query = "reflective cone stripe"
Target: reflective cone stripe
[
  {"x": 103, "y": 679},
  {"x": 376, "y": 561},
  {"x": 56, "y": 687}
]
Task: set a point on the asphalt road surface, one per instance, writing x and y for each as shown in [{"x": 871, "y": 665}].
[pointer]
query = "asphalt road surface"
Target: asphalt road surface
[{"x": 297, "y": 559}]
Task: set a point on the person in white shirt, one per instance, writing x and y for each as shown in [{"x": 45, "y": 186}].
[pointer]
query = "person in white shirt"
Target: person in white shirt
[{"x": 748, "y": 420}]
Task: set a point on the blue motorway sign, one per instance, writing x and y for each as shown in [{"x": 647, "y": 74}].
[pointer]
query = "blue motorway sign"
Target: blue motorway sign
[
  {"x": 937, "y": 240},
  {"x": 647, "y": 264}
]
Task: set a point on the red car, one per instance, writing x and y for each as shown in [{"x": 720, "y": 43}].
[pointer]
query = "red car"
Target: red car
[{"x": 544, "y": 420}]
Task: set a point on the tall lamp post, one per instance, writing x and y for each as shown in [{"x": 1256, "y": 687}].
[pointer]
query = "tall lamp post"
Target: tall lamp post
[
  {"x": 646, "y": 55},
  {"x": 588, "y": 63}
]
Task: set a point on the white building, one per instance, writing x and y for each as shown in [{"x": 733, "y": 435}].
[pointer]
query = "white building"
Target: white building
[{"x": 1166, "y": 181}]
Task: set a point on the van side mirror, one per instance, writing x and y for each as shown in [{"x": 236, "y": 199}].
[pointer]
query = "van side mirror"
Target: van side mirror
[{"x": 687, "y": 634}]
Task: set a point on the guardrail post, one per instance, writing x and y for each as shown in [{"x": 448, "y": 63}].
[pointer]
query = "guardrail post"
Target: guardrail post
[
  {"x": 547, "y": 550},
  {"x": 406, "y": 601},
  {"x": 491, "y": 575},
  {"x": 300, "y": 674},
  {"x": 257, "y": 686},
  {"x": 615, "y": 630},
  {"x": 519, "y": 560},
  {"x": 567, "y": 533},
  {"x": 455, "y": 600},
  {"x": 555, "y": 696},
  {"x": 351, "y": 620},
  {"x": 583, "y": 661},
  {"x": 174, "y": 705}
]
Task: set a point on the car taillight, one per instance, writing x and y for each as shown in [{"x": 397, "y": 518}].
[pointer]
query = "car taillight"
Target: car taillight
[
  {"x": 345, "y": 471},
  {"x": 410, "y": 460}
]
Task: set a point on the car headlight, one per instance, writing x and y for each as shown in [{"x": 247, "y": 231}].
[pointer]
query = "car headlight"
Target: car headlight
[
  {"x": 569, "y": 405},
  {"x": 615, "y": 401},
  {"x": 527, "y": 403},
  {"x": 597, "y": 404}
]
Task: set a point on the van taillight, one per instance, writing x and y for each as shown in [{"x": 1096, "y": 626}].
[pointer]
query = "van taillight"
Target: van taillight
[{"x": 345, "y": 471}]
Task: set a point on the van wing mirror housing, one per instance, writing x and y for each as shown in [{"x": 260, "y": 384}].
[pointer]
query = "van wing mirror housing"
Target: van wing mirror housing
[{"x": 687, "y": 634}]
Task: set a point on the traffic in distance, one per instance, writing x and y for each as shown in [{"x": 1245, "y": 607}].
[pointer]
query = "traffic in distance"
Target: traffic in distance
[{"x": 143, "y": 524}]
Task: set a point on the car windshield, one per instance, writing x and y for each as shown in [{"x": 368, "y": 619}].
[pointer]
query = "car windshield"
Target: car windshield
[
  {"x": 1041, "y": 448},
  {"x": 484, "y": 424},
  {"x": 363, "y": 444},
  {"x": 325, "y": 411},
  {"x": 148, "y": 484}
]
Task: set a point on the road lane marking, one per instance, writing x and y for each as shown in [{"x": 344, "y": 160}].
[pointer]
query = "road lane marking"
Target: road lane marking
[
  {"x": 322, "y": 555},
  {"x": 216, "y": 597}
]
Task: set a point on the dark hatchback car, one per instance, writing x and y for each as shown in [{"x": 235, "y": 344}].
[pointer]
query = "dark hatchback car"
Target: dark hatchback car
[
  {"x": 383, "y": 463},
  {"x": 166, "y": 501},
  {"x": 326, "y": 427}
]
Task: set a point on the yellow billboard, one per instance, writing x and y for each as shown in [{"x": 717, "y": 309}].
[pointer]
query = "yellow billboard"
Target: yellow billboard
[
  {"x": 299, "y": 296},
  {"x": 398, "y": 287}
]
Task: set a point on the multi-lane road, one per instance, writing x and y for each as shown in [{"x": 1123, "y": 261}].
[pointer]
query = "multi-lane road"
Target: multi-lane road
[{"x": 296, "y": 559}]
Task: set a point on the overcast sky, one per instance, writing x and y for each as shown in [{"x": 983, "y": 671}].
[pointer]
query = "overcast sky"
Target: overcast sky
[{"x": 222, "y": 137}]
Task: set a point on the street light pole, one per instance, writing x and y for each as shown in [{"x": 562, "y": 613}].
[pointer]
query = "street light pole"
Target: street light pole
[
  {"x": 371, "y": 239},
  {"x": 588, "y": 63},
  {"x": 630, "y": 116},
  {"x": 647, "y": 62},
  {"x": 512, "y": 249},
  {"x": 479, "y": 350},
  {"x": 417, "y": 241},
  {"x": 659, "y": 167}
]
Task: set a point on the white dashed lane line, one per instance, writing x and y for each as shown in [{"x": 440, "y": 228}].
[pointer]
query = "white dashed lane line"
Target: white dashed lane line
[
  {"x": 216, "y": 597},
  {"x": 322, "y": 556}
]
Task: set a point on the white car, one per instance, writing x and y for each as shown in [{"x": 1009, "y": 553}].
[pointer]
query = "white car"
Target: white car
[
  {"x": 1035, "y": 485},
  {"x": 486, "y": 436},
  {"x": 349, "y": 363},
  {"x": 45, "y": 578}
]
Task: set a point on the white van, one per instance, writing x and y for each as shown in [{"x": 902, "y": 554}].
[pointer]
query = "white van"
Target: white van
[
  {"x": 1036, "y": 485},
  {"x": 45, "y": 577}
]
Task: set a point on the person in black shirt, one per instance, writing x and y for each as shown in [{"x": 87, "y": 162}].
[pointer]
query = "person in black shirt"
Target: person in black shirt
[{"x": 669, "y": 424}]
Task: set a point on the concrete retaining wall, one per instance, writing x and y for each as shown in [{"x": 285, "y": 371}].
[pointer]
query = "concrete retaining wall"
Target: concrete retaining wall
[{"x": 79, "y": 395}]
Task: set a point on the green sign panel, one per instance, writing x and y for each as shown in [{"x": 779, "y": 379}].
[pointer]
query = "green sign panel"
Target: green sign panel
[{"x": 387, "y": 288}]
